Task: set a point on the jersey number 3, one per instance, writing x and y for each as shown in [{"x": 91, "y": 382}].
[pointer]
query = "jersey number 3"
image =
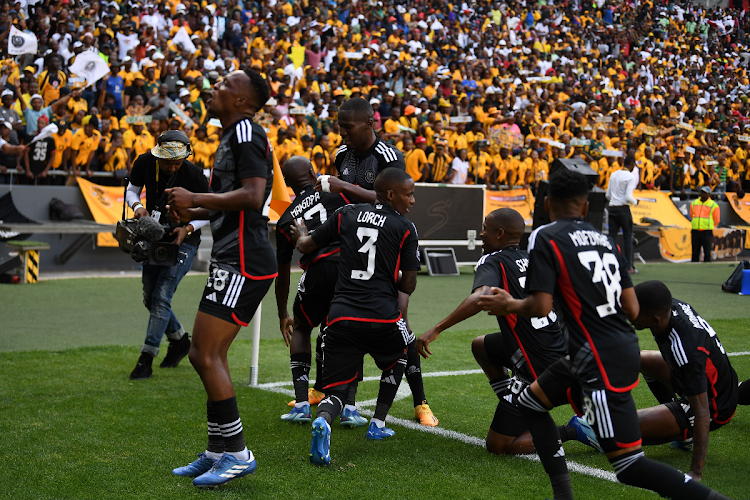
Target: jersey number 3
[
  {"x": 368, "y": 236},
  {"x": 606, "y": 270}
]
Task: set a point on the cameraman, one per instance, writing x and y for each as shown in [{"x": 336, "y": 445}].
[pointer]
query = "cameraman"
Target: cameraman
[{"x": 165, "y": 166}]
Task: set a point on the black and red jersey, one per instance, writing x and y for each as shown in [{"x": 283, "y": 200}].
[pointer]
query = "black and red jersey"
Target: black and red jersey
[
  {"x": 314, "y": 207},
  {"x": 241, "y": 238},
  {"x": 376, "y": 242},
  {"x": 532, "y": 343},
  {"x": 584, "y": 271},
  {"x": 698, "y": 361},
  {"x": 361, "y": 170}
]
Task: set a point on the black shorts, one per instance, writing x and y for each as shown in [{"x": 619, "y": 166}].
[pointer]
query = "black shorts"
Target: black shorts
[
  {"x": 612, "y": 415},
  {"x": 685, "y": 417},
  {"x": 345, "y": 344},
  {"x": 231, "y": 296},
  {"x": 508, "y": 420},
  {"x": 315, "y": 291}
]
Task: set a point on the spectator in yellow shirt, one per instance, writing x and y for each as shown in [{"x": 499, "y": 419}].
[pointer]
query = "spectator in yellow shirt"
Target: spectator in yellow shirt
[
  {"x": 415, "y": 158},
  {"x": 137, "y": 141},
  {"x": 203, "y": 149},
  {"x": 63, "y": 140},
  {"x": 116, "y": 158},
  {"x": 84, "y": 146}
]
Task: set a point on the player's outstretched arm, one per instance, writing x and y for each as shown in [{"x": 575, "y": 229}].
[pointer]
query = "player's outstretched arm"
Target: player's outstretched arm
[
  {"x": 468, "y": 308},
  {"x": 501, "y": 303},
  {"x": 629, "y": 302},
  {"x": 336, "y": 185},
  {"x": 250, "y": 196},
  {"x": 286, "y": 322},
  {"x": 701, "y": 428}
]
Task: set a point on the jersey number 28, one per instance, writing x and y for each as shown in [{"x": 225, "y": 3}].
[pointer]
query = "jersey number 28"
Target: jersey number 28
[{"x": 606, "y": 270}]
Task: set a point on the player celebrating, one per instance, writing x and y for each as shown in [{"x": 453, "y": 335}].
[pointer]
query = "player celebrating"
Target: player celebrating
[
  {"x": 315, "y": 290},
  {"x": 526, "y": 345},
  {"x": 242, "y": 266},
  {"x": 377, "y": 244},
  {"x": 358, "y": 161},
  {"x": 690, "y": 361},
  {"x": 581, "y": 268}
]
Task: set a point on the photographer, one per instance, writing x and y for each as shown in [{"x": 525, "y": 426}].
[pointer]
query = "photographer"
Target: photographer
[{"x": 159, "y": 169}]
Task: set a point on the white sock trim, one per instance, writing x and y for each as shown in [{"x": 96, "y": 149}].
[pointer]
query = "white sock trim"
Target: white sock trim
[
  {"x": 300, "y": 405},
  {"x": 241, "y": 455},
  {"x": 378, "y": 423},
  {"x": 350, "y": 407},
  {"x": 213, "y": 455}
]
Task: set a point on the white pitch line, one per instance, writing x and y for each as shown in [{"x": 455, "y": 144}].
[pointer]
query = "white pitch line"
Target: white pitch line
[{"x": 742, "y": 353}]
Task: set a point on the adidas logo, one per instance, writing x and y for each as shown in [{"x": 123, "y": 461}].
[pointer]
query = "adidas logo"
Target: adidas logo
[
  {"x": 304, "y": 377},
  {"x": 346, "y": 171},
  {"x": 236, "y": 469},
  {"x": 390, "y": 379},
  {"x": 560, "y": 453},
  {"x": 211, "y": 297}
]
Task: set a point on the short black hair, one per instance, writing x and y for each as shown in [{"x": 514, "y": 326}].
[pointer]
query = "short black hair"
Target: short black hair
[
  {"x": 259, "y": 86},
  {"x": 509, "y": 220},
  {"x": 654, "y": 297},
  {"x": 630, "y": 160},
  {"x": 389, "y": 178},
  {"x": 359, "y": 106},
  {"x": 566, "y": 185}
]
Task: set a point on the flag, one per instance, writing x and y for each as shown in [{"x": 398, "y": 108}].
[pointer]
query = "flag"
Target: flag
[
  {"x": 297, "y": 56},
  {"x": 46, "y": 132},
  {"x": 21, "y": 42},
  {"x": 280, "y": 200},
  {"x": 90, "y": 66},
  {"x": 183, "y": 40},
  {"x": 105, "y": 203}
]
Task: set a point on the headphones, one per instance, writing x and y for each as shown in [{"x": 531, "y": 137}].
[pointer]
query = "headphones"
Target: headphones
[{"x": 175, "y": 136}]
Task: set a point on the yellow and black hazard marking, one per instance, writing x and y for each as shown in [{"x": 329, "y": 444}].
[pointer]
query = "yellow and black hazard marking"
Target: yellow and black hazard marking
[{"x": 32, "y": 266}]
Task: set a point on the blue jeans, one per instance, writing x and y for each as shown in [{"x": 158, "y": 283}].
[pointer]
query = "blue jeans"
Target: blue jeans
[{"x": 159, "y": 284}]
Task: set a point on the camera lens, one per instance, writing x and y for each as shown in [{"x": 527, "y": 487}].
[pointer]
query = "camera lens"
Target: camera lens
[{"x": 161, "y": 253}]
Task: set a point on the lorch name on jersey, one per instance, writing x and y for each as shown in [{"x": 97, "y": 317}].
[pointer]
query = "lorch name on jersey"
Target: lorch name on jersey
[
  {"x": 371, "y": 218},
  {"x": 307, "y": 202},
  {"x": 585, "y": 238}
]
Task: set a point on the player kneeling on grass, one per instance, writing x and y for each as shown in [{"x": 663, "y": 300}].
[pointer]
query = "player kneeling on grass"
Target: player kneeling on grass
[
  {"x": 315, "y": 291},
  {"x": 584, "y": 271},
  {"x": 525, "y": 345},
  {"x": 691, "y": 362},
  {"x": 377, "y": 243},
  {"x": 243, "y": 266}
]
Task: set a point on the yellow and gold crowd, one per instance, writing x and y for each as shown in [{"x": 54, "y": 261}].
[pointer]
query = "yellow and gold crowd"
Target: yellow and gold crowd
[{"x": 487, "y": 92}]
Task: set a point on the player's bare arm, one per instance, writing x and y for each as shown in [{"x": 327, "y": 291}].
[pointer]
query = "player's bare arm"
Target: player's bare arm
[
  {"x": 286, "y": 322},
  {"x": 351, "y": 191},
  {"x": 408, "y": 282},
  {"x": 468, "y": 308},
  {"x": 701, "y": 428},
  {"x": 501, "y": 303}
]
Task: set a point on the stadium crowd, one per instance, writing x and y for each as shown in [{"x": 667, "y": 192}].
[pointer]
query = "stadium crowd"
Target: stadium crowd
[{"x": 487, "y": 92}]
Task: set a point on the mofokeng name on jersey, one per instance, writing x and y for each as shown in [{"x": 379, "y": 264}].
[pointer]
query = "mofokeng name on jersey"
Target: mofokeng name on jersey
[
  {"x": 305, "y": 203},
  {"x": 691, "y": 315},
  {"x": 587, "y": 238},
  {"x": 371, "y": 218}
]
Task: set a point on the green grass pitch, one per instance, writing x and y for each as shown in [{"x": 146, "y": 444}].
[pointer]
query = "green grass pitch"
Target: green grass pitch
[{"x": 74, "y": 427}]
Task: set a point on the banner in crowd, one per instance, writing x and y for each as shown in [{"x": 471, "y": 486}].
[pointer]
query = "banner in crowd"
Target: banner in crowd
[
  {"x": 105, "y": 203},
  {"x": 90, "y": 66},
  {"x": 297, "y": 56},
  {"x": 21, "y": 42},
  {"x": 675, "y": 243},
  {"x": 657, "y": 205},
  {"x": 520, "y": 200},
  {"x": 740, "y": 205}
]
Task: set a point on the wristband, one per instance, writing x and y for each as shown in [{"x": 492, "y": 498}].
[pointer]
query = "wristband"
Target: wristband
[
  {"x": 325, "y": 184},
  {"x": 135, "y": 207}
]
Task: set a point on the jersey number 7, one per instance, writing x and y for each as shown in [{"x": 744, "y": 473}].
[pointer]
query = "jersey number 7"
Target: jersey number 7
[{"x": 369, "y": 248}]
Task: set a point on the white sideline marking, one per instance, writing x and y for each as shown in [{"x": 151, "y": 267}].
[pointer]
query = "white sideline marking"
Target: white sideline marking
[
  {"x": 741, "y": 353},
  {"x": 447, "y": 433}
]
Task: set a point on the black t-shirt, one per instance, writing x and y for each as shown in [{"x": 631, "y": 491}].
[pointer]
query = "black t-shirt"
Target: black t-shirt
[
  {"x": 532, "y": 343},
  {"x": 134, "y": 91},
  {"x": 362, "y": 170},
  {"x": 698, "y": 361},
  {"x": 584, "y": 271},
  {"x": 190, "y": 177},
  {"x": 241, "y": 238},
  {"x": 39, "y": 154},
  {"x": 315, "y": 208},
  {"x": 376, "y": 242}
]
